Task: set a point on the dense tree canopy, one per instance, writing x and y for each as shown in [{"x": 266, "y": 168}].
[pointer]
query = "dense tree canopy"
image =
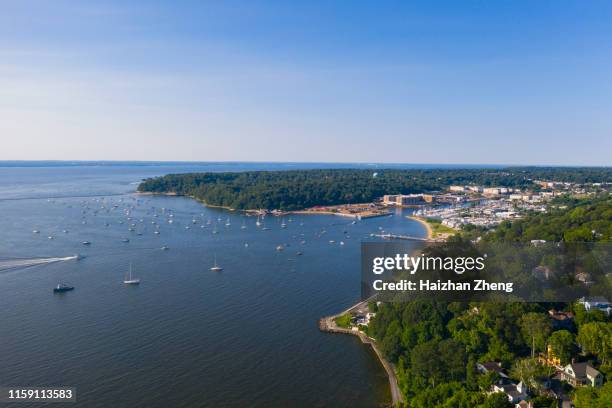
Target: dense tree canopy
[
  {"x": 298, "y": 189},
  {"x": 568, "y": 219}
]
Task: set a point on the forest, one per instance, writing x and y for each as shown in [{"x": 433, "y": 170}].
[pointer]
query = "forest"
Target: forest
[{"x": 299, "y": 189}]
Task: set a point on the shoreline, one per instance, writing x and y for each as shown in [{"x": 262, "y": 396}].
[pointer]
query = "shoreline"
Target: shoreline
[
  {"x": 276, "y": 213},
  {"x": 424, "y": 224},
  {"x": 328, "y": 325}
]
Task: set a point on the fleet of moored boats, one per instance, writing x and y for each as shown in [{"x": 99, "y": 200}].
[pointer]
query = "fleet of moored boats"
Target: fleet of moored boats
[{"x": 128, "y": 208}]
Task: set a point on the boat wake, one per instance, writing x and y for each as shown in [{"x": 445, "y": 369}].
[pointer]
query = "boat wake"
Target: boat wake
[{"x": 9, "y": 264}]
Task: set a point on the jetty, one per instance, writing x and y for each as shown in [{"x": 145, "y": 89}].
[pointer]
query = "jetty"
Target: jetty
[
  {"x": 405, "y": 237},
  {"x": 328, "y": 324}
]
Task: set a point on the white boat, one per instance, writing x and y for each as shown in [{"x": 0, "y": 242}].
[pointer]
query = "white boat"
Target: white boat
[
  {"x": 283, "y": 225},
  {"x": 279, "y": 248},
  {"x": 215, "y": 267},
  {"x": 227, "y": 223},
  {"x": 243, "y": 224},
  {"x": 258, "y": 223},
  {"x": 36, "y": 232},
  {"x": 129, "y": 280}
]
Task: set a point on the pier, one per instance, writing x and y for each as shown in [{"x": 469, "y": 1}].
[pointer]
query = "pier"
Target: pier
[
  {"x": 404, "y": 237},
  {"x": 328, "y": 324}
]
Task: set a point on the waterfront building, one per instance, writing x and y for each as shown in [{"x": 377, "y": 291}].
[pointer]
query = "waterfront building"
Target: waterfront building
[{"x": 407, "y": 199}]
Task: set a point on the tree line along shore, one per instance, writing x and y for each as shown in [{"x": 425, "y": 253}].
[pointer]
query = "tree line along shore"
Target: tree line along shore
[{"x": 302, "y": 189}]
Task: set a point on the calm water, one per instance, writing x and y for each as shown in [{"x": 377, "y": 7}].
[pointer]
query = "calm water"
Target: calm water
[{"x": 186, "y": 336}]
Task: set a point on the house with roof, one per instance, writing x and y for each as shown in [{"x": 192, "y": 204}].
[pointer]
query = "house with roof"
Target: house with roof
[
  {"x": 582, "y": 374},
  {"x": 514, "y": 392}
]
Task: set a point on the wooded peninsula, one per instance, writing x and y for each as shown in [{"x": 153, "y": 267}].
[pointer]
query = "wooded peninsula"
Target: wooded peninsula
[{"x": 300, "y": 189}]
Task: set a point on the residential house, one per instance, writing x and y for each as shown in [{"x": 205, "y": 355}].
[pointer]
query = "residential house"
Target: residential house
[
  {"x": 515, "y": 392},
  {"x": 582, "y": 374}
]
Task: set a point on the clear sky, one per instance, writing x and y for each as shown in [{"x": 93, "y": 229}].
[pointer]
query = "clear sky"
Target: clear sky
[{"x": 512, "y": 82}]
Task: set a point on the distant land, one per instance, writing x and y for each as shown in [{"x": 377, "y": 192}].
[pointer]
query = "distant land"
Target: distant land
[
  {"x": 255, "y": 164},
  {"x": 300, "y": 189}
]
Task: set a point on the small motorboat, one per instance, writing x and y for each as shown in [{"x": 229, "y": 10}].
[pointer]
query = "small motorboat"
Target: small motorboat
[{"x": 61, "y": 288}]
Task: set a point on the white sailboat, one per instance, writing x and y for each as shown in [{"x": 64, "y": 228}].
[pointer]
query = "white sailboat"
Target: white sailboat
[
  {"x": 227, "y": 223},
  {"x": 258, "y": 223},
  {"x": 215, "y": 267},
  {"x": 283, "y": 225},
  {"x": 129, "y": 280}
]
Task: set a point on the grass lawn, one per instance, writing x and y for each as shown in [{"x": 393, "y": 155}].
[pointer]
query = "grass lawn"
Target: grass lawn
[{"x": 343, "y": 320}]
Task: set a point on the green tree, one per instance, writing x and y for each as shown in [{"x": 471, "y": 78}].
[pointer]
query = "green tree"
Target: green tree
[
  {"x": 562, "y": 345},
  {"x": 535, "y": 328},
  {"x": 497, "y": 400},
  {"x": 596, "y": 338},
  {"x": 526, "y": 370},
  {"x": 425, "y": 362},
  {"x": 583, "y": 316},
  {"x": 589, "y": 397}
]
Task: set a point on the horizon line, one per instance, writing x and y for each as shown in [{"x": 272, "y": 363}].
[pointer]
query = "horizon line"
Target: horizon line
[{"x": 188, "y": 162}]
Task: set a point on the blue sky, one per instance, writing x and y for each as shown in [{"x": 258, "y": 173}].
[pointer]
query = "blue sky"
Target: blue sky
[{"x": 507, "y": 82}]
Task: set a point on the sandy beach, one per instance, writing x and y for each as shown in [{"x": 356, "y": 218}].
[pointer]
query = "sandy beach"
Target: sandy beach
[{"x": 425, "y": 224}]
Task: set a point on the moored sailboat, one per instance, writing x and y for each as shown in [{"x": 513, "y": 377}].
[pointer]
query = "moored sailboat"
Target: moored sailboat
[{"x": 129, "y": 279}]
